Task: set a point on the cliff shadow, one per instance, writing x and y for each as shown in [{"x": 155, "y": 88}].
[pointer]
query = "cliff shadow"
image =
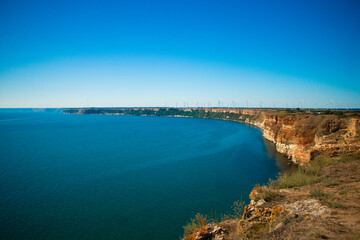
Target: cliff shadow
[{"x": 280, "y": 159}]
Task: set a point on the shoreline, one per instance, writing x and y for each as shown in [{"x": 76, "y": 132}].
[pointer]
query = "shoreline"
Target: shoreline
[
  {"x": 315, "y": 201},
  {"x": 298, "y": 134}
]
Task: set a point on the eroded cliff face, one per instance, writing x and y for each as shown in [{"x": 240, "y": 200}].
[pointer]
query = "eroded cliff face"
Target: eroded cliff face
[{"x": 303, "y": 135}]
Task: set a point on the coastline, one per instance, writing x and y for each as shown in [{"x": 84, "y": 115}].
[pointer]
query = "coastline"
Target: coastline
[
  {"x": 326, "y": 147},
  {"x": 298, "y": 134}
]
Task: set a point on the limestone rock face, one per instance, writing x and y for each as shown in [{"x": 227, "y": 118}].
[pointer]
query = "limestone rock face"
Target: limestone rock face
[{"x": 303, "y": 136}]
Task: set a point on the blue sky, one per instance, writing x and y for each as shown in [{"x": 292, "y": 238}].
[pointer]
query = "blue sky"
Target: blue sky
[{"x": 157, "y": 53}]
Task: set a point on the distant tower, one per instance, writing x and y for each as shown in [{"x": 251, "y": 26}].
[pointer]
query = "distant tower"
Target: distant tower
[
  {"x": 260, "y": 104},
  {"x": 247, "y": 104}
]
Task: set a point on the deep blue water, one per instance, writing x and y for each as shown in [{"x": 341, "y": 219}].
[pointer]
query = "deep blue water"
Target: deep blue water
[{"x": 121, "y": 177}]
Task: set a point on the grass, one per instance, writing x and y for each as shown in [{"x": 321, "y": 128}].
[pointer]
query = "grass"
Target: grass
[
  {"x": 201, "y": 220},
  {"x": 267, "y": 194},
  {"x": 319, "y": 194},
  {"x": 238, "y": 209},
  {"x": 335, "y": 205},
  {"x": 303, "y": 176},
  {"x": 256, "y": 230},
  {"x": 198, "y": 222},
  {"x": 324, "y": 161},
  {"x": 344, "y": 191},
  {"x": 329, "y": 182}
]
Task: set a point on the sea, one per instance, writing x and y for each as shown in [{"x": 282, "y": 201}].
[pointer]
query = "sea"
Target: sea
[{"x": 65, "y": 176}]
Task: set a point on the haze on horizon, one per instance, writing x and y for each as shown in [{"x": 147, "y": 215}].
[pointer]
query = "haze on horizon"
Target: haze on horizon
[{"x": 176, "y": 53}]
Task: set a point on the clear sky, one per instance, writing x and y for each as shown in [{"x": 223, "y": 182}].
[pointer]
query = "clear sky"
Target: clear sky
[{"x": 157, "y": 53}]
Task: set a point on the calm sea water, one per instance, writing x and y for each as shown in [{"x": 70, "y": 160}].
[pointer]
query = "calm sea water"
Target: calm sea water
[{"x": 121, "y": 177}]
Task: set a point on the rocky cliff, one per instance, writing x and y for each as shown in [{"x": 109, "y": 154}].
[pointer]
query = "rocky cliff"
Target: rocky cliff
[{"x": 303, "y": 135}]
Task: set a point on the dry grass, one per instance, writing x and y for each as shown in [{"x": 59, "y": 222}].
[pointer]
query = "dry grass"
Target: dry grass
[
  {"x": 201, "y": 220},
  {"x": 303, "y": 176},
  {"x": 195, "y": 223},
  {"x": 319, "y": 194},
  {"x": 267, "y": 194},
  {"x": 335, "y": 205},
  {"x": 329, "y": 182}
]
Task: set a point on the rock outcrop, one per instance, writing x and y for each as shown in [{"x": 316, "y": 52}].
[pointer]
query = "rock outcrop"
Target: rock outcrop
[{"x": 210, "y": 231}]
